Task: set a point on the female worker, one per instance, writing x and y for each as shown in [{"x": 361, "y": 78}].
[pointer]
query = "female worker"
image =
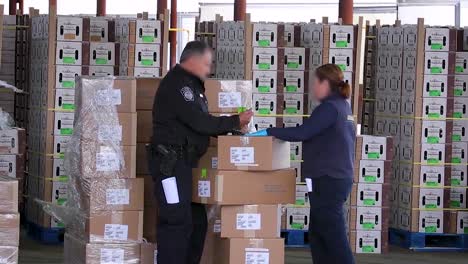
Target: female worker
[{"x": 328, "y": 138}]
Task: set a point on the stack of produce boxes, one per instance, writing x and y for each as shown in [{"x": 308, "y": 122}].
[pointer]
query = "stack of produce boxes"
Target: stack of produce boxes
[
  {"x": 7, "y": 63},
  {"x": 206, "y": 32},
  {"x": 230, "y": 50},
  {"x": 9, "y": 220},
  {"x": 368, "y": 217},
  {"x": 105, "y": 218},
  {"x": 246, "y": 227},
  {"x": 139, "y": 47}
]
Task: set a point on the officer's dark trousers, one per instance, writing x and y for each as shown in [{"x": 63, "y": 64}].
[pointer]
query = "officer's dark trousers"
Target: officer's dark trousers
[
  {"x": 181, "y": 228},
  {"x": 327, "y": 231}
]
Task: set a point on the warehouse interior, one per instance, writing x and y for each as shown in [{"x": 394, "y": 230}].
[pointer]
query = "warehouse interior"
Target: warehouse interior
[{"x": 77, "y": 86}]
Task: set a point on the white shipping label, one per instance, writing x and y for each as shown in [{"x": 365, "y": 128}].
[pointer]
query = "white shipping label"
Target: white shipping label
[
  {"x": 242, "y": 155},
  {"x": 249, "y": 222},
  {"x": 107, "y": 161},
  {"x": 110, "y": 133},
  {"x": 214, "y": 162},
  {"x": 229, "y": 99},
  {"x": 109, "y": 98},
  {"x": 204, "y": 189},
  {"x": 117, "y": 197},
  {"x": 112, "y": 256},
  {"x": 217, "y": 226},
  {"x": 115, "y": 232},
  {"x": 257, "y": 256}
]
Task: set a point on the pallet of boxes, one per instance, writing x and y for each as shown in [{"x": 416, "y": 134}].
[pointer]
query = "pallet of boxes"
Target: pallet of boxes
[
  {"x": 243, "y": 180},
  {"x": 12, "y": 151},
  {"x": 368, "y": 209},
  {"x": 104, "y": 211}
]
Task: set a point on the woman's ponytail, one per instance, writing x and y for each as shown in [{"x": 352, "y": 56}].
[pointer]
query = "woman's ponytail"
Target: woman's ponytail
[{"x": 344, "y": 89}]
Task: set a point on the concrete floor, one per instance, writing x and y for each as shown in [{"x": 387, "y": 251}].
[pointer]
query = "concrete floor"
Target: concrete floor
[{"x": 34, "y": 253}]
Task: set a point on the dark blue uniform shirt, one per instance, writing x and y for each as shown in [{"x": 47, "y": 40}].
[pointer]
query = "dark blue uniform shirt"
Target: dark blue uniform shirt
[{"x": 328, "y": 137}]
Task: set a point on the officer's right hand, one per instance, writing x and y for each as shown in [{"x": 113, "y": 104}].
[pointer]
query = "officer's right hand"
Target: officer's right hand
[{"x": 245, "y": 117}]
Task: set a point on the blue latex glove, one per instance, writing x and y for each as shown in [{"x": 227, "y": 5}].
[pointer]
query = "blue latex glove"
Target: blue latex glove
[{"x": 260, "y": 133}]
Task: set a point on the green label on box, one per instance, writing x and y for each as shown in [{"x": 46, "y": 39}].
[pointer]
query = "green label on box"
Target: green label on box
[
  {"x": 62, "y": 178},
  {"x": 433, "y": 140},
  {"x": 148, "y": 39},
  {"x": 291, "y": 110},
  {"x": 436, "y": 46},
  {"x": 204, "y": 173},
  {"x": 458, "y": 92},
  {"x": 457, "y": 115},
  {"x": 61, "y": 225},
  {"x": 293, "y": 65},
  {"x": 431, "y": 206},
  {"x": 456, "y": 160},
  {"x": 368, "y": 178},
  {"x": 291, "y": 88},
  {"x": 431, "y": 184},
  {"x": 434, "y": 93},
  {"x": 368, "y": 249},
  {"x": 68, "y": 106},
  {"x": 241, "y": 109},
  {"x": 459, "y": 69},
  {"x": 373, "y": 155},
  {"x": 456, "y": 138},
  {"x": 61, "y": 155},
  {"x": 455, "y": 182},
  {"x": 434, "y": 115},
  {"x": 436, "y": 70},
  {"x": 430, "y": 229},
  {"x": 69, "y": 60},
  {"x": 264, "y": 43},
  {"x": 101, "y": 61},
  {"x": 298, "y": 226},
  {"x": 293, "y": 157},
  {"x": 68, "y": 84},
  {"x": 300, "y": 202},
  {"x": 264, "y": 111},
  {"x": 61, "y": 201},
  {"x": 433, "y": 161},
  {"x": 66, "y": 131},
  {"x": 369, "y": 202},
  {"x": 368, "y": 226},
  {"x": 342, "y": 44},
  {"x": 342, "y": 67},
  {"x": 465, "y": 230},
  {"x": 264, "y": 66},
  {"x": 455, "y": 204},
  {"x": 147, "y": 62},
  {"x": 264, "y": 89}
]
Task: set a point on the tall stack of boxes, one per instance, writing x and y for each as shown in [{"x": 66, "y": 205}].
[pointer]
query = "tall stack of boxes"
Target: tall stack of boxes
[
  {"x": 9, "y": 220},
  {"x": 7, "y": 66},
  {"x": 206, "y": 32},
  {"x": 139, "y": 47},
  {"x": 246, "y": 227},
  {"x": 105, "y": 222},
  {"x": 230, "y": 50},
  {"x": 368, "y": 91},
  {"x": 368, "y": 211}
]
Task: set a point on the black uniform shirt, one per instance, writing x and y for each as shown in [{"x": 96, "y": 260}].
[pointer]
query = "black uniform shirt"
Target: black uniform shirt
[{"x": 180, "y": 113}]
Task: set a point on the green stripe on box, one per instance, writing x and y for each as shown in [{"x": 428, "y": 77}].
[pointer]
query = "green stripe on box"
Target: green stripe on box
[
  {"x": 241, "y": 109},
  {"x": 68, "y": 106},
  {"x": 300, "y": 202},
  {"x": 147, "y": 39},
  {"x": 264, "y": 66},
  {"x": 291, "y": 88},
  {"x": 291, "y": 110},
  {"x": 373, "y": 155},
  {"x": 292, "y": 65},
  {"x": 434, "y": 115},
  {"x": 465, "y": 230},
  {"x": 204, "y": 173},
  {"x": 456, "y": 160},
  {"x": 147, "y": 62},
  {"x": 68, "y": 84},
  {"x": 368, "y": 249},
  {"x": 368, "y": 226},
  {"x": 432, "y": 184},
  {"x": 433, "y": 140},
  {"x": 431, "y": 206},
  {"x": 264, "y": 89},
  {"x": 457, "y": 115},
  {"x": 433, "y": 161},
  {"x": 69, "y": 60},
  {"x": 297, "y": 226},
  {"x": 455, "y": 182},
  {"x": 342, "y": 44},
  {"x": 455, "y": 204},
  {"x": 264, "y": 111},
  {"x": 459, "y": 69},
  {"x": 456, "y": 138},
  {"x": 434, "y": 93},
  {"x": 264, "y": 43},
  {"x": 436, "y": 70},
  {"x": 342, "y": 67},
  {"x": 430, "y": 229},
  {"x": 369, "y": 202},
  {"x": 61, "y": 201},
  {"x": 458, "y": 92},
  {"x": 101, "y": 61},
  {"x": 62, "y": 178}
]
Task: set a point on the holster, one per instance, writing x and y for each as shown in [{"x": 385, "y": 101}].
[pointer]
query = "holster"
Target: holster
[{"x": 168, "y": 160}]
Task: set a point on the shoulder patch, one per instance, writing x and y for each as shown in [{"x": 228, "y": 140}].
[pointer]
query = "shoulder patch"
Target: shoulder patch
[{"x": 187, "y": 94}]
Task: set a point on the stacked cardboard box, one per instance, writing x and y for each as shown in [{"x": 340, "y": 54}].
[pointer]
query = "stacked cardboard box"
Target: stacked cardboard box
[
  {"x": 230, "y": 50},
  {"x": 8, "y": 62},
  {"x": 146, "y": 91},
  {"x": 368, "y": 212},
  {"x": 368, "y": 91},
  {"x": 206, "y": 32},
  {"x": 106, "y": 199},
  {"x": 139, "y": 47},
  {"x": 9, "y": 220}
]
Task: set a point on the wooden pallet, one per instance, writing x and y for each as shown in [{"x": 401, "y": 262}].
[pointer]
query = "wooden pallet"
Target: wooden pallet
[{"x": 428, "y": 242}]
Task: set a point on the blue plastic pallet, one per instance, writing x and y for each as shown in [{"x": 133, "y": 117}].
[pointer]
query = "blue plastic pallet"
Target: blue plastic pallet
[
  {"x": 425, "y": 242},
  {"x": 295, "y": 238},
  {"x": 50, "y": 236}
]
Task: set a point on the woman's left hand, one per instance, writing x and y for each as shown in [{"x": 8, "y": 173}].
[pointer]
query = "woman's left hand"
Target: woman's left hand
[{"x": 260, "y": 133}]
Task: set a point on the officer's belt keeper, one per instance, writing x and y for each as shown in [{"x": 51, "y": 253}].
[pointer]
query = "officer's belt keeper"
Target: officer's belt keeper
[{"x": 250, "y": 209}]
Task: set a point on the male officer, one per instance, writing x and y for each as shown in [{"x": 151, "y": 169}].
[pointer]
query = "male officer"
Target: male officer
[{"x": 181, "y": 131}]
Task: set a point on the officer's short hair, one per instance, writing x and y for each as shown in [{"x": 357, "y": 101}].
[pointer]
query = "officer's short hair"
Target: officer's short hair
[{"x": 194, "y": 48}]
